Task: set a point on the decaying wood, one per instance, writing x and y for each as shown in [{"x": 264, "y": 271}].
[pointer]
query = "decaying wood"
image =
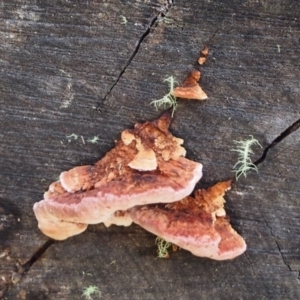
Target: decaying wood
[{"x": 60, "y": 60}]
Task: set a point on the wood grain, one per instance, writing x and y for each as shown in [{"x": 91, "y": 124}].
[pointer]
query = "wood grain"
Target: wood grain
[{"x": 58, "y": 61}]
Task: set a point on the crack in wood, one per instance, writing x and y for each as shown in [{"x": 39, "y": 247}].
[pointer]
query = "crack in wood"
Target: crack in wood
[
  {"x": 282, "y": 257},
  {"x": 276, "y": 238},
  {"x": 292, "y": 128},
  {"x": 270, "y": 228},
  {"x": 250, "y": 263},
  {"x": 295, "y": 126},
  {"x": 25, "y": 267},
  {"x": 153, "y": 24}
]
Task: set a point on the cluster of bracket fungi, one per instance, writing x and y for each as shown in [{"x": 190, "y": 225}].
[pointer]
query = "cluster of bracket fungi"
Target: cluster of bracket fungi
[{"x": 145, "y": 179}]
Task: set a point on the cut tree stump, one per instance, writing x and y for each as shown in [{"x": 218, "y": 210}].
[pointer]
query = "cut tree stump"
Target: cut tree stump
[{"x": 62, "y": 59}]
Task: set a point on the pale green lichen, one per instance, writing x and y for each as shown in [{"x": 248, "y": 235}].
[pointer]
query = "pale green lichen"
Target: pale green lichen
[
  {"x": 168, "y": 100},
  {"x": 75, "y": 137},
  {"x": 124, "y": 20},
  {"x": 93, "y": 140},
  {"x": 244, "y": 163},
  {"x": 89, "y": 291},
  {"x": 162, "y": 247},
  {"x": 278, "y": 48},
  {"x": 71, "y": 137}
]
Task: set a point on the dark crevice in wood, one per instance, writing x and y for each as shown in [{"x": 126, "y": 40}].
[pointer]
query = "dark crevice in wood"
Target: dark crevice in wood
[
  {"x": 277, "y": 244},
  {"x": 282, "y": 257},
  {"x": 151, "y": 27},
  {"x": 22, "y": 269},
  {"x": 270, "y": 228},
  {"x": 295, "y": 126},
  {"x": 250, "y": 263},
  {"x": 37, "y": 255},
  {"x": 280, "y": 138},
  {"x": 145, "y": 34}
]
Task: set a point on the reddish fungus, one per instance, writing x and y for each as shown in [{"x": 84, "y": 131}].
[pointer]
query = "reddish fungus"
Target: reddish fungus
[
  {"x": 198, "y": 224},
  {"x": 146, "y": 166},
  {"x": 190, "y": 88},
  {"x": 203, "y": 55},
  {"x": 204, "y": 51}
]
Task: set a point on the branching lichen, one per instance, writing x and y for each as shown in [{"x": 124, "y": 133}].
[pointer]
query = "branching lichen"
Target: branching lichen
[
  {"x": 72, "y": 136},
  {"x": 168, "y": 100},
  {"x": 94, "y": 140},
  {"x": 162, "y": 247},
  {"x": 244, "y": 163},
  {"x": 89, "y": 291}
]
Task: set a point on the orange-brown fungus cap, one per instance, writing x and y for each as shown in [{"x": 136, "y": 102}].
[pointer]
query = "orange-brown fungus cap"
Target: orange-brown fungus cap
[
  {"x": 190, "y": 88},
  {"x": 204, "y": 51},
  {"x": 198, "y": 224},
  {"x": 55, "y": 189},
  {"x": 145, "y": 160},
  {"x": 146, "y": 166},
  {"x": 201, "y": 60}
]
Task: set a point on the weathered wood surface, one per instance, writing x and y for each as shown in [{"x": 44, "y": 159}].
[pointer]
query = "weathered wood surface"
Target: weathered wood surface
[{"x": 61, "y": 59}]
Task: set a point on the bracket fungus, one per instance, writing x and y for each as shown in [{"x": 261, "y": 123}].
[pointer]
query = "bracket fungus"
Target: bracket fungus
[
  {"x": 203, "y": 55},
  {"x": 190, "y": 88},
  {"x": 147, "y": 165},
  {"x": 198, "y": 224}
]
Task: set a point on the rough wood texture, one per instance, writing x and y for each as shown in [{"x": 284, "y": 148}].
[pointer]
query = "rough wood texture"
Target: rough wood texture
[{"x": 60, "y": 60}]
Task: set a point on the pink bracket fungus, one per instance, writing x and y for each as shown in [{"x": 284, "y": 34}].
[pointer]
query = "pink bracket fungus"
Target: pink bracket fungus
[
  {"x": 190, "y": 88},
  {"x": 147, "y": 165},
  {"x": 196, "y": 224}
]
